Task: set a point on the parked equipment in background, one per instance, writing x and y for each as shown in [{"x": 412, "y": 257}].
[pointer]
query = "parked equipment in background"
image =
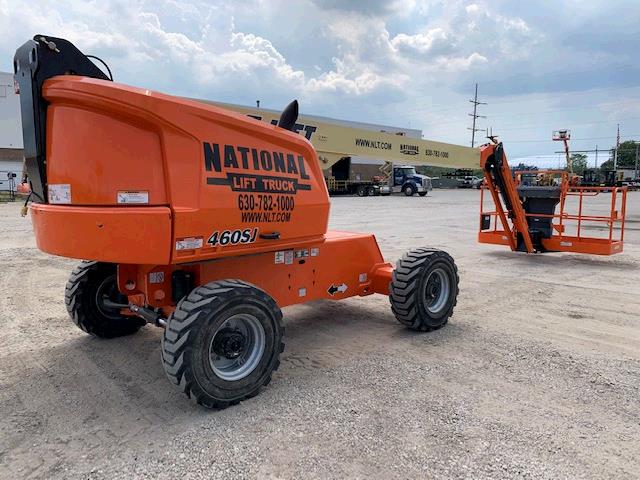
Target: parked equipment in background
[
  {"x": 594, "y": 177},
  {"x": 548, "y": 215},
  {"x": 196, "y": 219},
  {"x": 564, "y": 136},
  {"x": 371, "y": 179},
  {"x": 469, "y": 181},
  {"x": 7, "y": 186}
]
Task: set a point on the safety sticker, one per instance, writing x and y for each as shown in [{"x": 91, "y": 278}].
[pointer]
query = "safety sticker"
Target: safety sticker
[
  {"x": 133, "y": 196},
  {"x": 315, "y": 252},
  {"x": 59, "y": 193},
  {"x": 156, "y": 277},
  {"x": 333, "y": 289},
  {"x": 566, "y": 244},
  {"x": 288, "y": 257},
  {"x": 190, "y": 243},
  {"x": 279, "y": 257},
  {"x": 302, "y": 253},
  {"x": 362, "y": 277},
  {"x": 302, "y": 292}
]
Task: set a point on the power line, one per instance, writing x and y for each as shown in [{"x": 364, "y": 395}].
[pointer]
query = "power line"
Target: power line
[{"x": 475, "y": 115}]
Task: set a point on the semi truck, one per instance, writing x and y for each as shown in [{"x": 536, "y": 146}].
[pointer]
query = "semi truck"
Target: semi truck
[
  {"x": 365, "y": 177},
  {"x": 404, "y": 179}
]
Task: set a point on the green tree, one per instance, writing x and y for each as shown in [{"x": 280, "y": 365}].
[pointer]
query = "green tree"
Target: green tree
[
  {"x": 579, "y": 162},
  {"x": 626, "y": 156},
  {"x": 606, "y": 165},
  {"x": 524, "y": 166}
]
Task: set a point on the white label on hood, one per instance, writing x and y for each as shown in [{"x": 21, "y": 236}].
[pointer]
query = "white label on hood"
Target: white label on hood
[
  {"x": 59, "y": 193},
  {"x": 133, "y": 196}
]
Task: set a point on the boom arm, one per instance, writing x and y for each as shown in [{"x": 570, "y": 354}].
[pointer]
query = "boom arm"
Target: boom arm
[{"x": 333, "y": 142}]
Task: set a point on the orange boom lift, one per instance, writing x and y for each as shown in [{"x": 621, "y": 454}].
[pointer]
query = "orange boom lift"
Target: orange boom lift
[
  {"x": 197, "y": 219},
  {"x": 545, "y": 210}
]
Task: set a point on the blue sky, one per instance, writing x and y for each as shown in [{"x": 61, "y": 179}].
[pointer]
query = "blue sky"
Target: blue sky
[{"x": 540, "y": 65}]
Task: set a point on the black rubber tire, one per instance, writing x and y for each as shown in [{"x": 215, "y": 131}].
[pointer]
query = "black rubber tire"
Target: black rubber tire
[
  {"x": 192, "y": 326},
  {"x": 423, "y": 194},
  {"x": 361, "y": 191},
  {"x": 408, "y": 284},
  {"x": 80, "y": 297},
  {"x": 371, "y": 191},
  {"x": 409, "y": 190}
]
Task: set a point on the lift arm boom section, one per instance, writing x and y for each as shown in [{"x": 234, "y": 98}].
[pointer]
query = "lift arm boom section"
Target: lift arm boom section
[
  {"x": 501, "y": 184},
  {"x": 334, "y": 141}
]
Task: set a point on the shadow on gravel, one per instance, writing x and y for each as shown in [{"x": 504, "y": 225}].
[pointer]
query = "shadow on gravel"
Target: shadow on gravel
[
  {"x": 90, "y": 381},
  {"x": 615, "y": 262},
  {"x": 87, "y": 393}
]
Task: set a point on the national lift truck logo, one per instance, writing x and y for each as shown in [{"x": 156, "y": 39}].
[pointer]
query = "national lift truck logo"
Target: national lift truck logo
[
  {"x": 409, "y": 149},
  {"x": 261, "y": 169}
]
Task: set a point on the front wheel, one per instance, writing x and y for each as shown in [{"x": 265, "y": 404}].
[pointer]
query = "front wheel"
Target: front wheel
[
  {"x": 424, "y": 289},
  {"x": 223, "y": 342},
  {"x": 409, "y": 190},
  {"x": 423, "y": 194}
]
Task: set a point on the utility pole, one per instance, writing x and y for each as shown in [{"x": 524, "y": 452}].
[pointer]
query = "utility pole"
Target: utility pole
[
  {"x": 475, "y": 115},
  {"x": 615, "y": 155},
  {"x": 596, "y": 156},
  {"x": 637, "y": 147}
]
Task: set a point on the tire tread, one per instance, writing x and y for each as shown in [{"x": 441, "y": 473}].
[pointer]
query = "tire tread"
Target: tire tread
[{"x": 405, "y": 282}]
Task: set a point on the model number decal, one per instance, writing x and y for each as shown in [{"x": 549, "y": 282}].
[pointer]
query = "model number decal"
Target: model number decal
[{"x": 233, "y": 237}]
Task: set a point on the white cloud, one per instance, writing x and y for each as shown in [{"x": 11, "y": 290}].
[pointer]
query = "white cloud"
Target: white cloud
[
  {"x": 433, "y": 42},
  {"x": 384, "y": 61}
]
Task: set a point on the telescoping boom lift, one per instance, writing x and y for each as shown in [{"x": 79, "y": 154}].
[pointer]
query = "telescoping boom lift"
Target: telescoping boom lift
[{"x": 200, "y": 220}]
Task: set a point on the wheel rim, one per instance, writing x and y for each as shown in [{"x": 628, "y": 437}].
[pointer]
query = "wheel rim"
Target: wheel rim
[
  {"x": 436, "y": 291},
  {"x": 108, "y": 290},
  {"x": 237, "y": 347}
]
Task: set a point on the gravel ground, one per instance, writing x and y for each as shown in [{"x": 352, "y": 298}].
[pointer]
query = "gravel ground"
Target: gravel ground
[{"x": 536, "y": 376}]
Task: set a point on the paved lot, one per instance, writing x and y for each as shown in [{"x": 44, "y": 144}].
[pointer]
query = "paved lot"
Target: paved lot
[{"x": 536, "y": 376}]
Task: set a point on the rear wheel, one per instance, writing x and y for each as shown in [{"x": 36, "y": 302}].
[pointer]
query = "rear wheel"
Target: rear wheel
[
  {"x": 371, "y": 191},
  {"x": 223, "y": 342},
  {"x": 424, "y": 289},
  {"x": 90, "y": 289},
  {"x": 361, "y": 191}
]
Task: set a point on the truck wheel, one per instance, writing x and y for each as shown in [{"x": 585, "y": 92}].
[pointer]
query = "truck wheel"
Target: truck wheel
[
  {"x": 361, "y": 191},
  {"x": 223, "y": 342},
  {"x": 90, "y": 284},
  {"x": 371, "y": 191},
  {"x": 424, "y": 289},
  {"x": 423, "y": 194},
  {"x": 409, "y": 190}
]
